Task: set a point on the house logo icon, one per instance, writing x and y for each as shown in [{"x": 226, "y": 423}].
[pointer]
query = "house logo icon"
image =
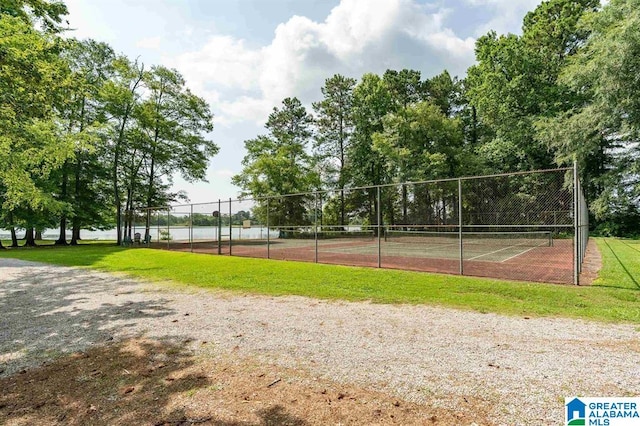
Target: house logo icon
[{"x": 576, "y": 413}]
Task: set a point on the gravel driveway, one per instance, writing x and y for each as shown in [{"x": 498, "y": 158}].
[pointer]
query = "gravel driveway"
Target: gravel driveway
[{"x": 519, "y": 368}]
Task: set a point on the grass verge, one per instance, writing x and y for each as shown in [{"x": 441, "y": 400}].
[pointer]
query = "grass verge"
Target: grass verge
[{"x": 613, "y": 298}]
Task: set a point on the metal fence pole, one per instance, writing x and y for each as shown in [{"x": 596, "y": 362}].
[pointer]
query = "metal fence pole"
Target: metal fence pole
[
  {"x": 268, "y": 232},
  {"x": 576, "y": 236},
  {"x": 219, "y": 230},
  {"x": 230, "y": 227},
  {"x": 168, "y": 226},
  {"x": 460, "y": 225},
  {"x": 379, "y": 227},
  {"x": 315, "y": 225},
  {"x": 191, "y": 227}
]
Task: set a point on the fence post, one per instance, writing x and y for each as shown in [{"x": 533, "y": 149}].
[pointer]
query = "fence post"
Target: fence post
[
  {"x": 315, "y": 224},
  {"x": 379, "y": 227},
  {"x": 576, "y": 233},
  {"x": 191, "y": 227},
  {"x": 268, "y": 231},
  {"x": 219, "y": 230},
  {"x": 460, "y": 225},
  {"x": 168, "y": 226},
  {"x": 230, "y": 227}
]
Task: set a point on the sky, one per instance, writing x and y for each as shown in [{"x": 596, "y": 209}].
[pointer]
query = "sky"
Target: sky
[{"x": 245, "y": 56}]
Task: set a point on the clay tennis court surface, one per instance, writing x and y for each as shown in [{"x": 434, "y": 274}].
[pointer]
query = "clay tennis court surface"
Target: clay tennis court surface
[{"x": 502, "y": 260}]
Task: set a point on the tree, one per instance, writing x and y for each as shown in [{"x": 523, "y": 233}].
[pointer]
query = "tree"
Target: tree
[
  {"x": 81, "y": 178},
  {"x": 335, "y": 125},
  {"x": 46, "y": 13},
  {"x": 279, "y": 163},
  {"x": 33, "y": 78},
  {"x": 515, "y": 82},
  {"x": 172, "y": 121},
  {"x": 365, "y": 165},
  {"x": 120, "y": 95},
  {"x": 603, "y": 128}
]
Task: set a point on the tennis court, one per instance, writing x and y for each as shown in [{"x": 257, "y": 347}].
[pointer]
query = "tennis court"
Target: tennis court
[{"x": 523, "y": 226}]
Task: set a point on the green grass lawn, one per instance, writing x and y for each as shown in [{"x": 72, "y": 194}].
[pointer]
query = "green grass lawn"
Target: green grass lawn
[{"x": 614, "y": 297}]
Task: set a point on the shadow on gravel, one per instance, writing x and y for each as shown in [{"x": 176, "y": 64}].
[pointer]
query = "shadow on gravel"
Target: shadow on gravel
[
  {"x": 161, "y": 383},
  {"x": 48, "y": 312},
  {"x": 130, "y": 383}
]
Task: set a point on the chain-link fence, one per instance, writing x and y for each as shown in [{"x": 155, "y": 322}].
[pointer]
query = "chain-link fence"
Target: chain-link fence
[{"x": 529, "y": 226}]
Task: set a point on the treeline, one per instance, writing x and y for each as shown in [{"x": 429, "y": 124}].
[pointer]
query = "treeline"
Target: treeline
[
  {"x": 87, "y": 134},
  {"x": 160, "y": 218},
  {"x": 565, "y": 90}
]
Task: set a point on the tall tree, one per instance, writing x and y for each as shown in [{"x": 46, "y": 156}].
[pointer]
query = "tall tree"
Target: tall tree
[
  {"x": 174, "y": 122},
  {"x": 32, "y": 81},
  {"x": 515, "y": 82},
  {"x": 603, "y": 129},
  {"x": 280, "y": 163},
  {"x": 120, "y": 96},
  {"x": 81, "y": 118},
  {"x": 335, "y": 125}
]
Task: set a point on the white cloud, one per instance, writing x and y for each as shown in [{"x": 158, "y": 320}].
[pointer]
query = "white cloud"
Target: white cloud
[
  {"x": 152, "y": 43},
  {"x": 223, "y": 60},
  {"x": 357, "y": 36},
  {"x": 505, "y": 14}
]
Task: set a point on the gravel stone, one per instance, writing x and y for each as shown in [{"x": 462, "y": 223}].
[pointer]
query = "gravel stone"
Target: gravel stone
[{"x": 519, "y": 367}]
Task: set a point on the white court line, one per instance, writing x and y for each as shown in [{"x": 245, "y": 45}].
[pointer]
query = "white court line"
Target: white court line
[
  {"x": 520, "y": 254},
  {"x": 348, "y": 249},
  {"x": 506, "y": 248}
]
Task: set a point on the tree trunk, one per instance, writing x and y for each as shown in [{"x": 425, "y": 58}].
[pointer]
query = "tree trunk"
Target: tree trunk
[
  {"x": 14, "y": 237},
  {"x": 1, "y": 246},
  {"x": 75, "y": 233},
  {"x": 62, "y": 237},
  {"x": 404, "y": 204},
  {"x": 38, "y": 236},
  {"x": 147, "y": 226},
  {"x": 29, "y": 238}
]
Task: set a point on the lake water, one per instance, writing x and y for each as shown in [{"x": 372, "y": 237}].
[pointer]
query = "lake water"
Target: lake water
[{"x": 176, "y": 233}]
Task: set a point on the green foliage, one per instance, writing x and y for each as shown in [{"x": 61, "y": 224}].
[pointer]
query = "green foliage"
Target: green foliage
[
  {"x": 79, "y": 137},
  {"x": 32, "y": 82},
  {"x": 279, "y": 163},
  {"x": 602, "y": 130}
]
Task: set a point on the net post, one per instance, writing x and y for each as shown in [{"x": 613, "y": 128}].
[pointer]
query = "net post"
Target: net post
[
  {"x": 168, "y": 226},
  {"x": 219, "y": 230},
  {"x": 268, "y": 231},
  {"x": 191, "y": 227},
  {"x": 460, "y": 225},
  {"x": 230, "y": 227},
  {"x": 315, "y": 225},
  {"x": 576, "y": 238},
  {"x": 379, "y": 224}
]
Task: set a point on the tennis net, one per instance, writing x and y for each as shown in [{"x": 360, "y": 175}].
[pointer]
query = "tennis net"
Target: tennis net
[{"x": 519, "y": 238}]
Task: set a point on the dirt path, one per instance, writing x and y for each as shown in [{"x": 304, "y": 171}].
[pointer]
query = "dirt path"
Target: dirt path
[{"x": 479, "y": 367}]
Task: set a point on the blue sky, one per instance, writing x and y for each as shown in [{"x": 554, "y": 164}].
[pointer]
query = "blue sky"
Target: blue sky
[{"x": 245, "y": 56}]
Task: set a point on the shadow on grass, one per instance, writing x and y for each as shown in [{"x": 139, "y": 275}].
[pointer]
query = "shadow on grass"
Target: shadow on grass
[
  {"x": 81, "y": 255},
  {"x": 622, "y": 265}
]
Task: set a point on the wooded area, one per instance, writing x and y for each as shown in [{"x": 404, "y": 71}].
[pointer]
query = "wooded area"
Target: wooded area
[
  {"x": 566, "y": 89},
  {"x": 87, "y": 134}
]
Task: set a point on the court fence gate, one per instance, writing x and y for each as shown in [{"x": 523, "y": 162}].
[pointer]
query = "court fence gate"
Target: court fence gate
[{"x": 529, "y": 226}]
